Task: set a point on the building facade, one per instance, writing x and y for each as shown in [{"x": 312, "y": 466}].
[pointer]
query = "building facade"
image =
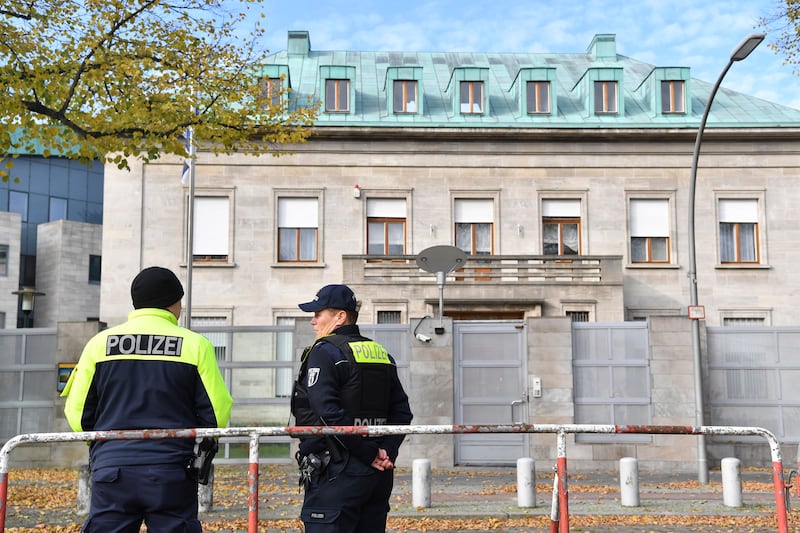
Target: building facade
[
  {"x": 42, "y": 190},
  {"x": 562, "y": 177}
]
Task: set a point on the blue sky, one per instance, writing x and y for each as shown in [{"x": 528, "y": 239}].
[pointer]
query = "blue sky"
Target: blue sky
[{"x": 700, "y": 34}]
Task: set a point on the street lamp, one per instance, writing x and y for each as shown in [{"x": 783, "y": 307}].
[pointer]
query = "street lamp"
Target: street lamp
[
  {"x": 696, "y": 312},
  {"x": 28, "y": 295}
]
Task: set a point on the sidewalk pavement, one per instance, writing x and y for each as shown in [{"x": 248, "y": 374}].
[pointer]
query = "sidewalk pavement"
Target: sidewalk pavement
[
  {"x": 482, "y": 498},
  {"x": 463, "y": 499}
]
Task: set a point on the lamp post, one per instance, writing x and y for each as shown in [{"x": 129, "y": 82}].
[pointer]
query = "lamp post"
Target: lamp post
[
  {"x": 28, "y": 295},
  {"x": 696, "y": 312}
]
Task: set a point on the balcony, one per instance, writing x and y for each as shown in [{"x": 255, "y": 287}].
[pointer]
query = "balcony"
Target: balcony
[{"x": 494, "y": 270}]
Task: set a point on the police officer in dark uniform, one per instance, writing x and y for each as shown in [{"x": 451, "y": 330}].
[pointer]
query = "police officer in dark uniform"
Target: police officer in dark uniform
[
  {"x": 147, "y": 373},
  {"x": 346, "y": 379}
]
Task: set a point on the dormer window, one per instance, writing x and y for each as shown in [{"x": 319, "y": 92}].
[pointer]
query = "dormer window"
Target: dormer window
[
  {"x": 270, "y": 91},
  {"x": 471, "y": 97},
  {"x": 538, "y": 97},
  {"x": 666, "y": 92},
  {"x": 337, "y": 96},
  {"x": 405, "y": 96},
  {"x": 673, "y": 96},
  {"x": 274, "y": 85},
  {"x": 605, "y": 97}
]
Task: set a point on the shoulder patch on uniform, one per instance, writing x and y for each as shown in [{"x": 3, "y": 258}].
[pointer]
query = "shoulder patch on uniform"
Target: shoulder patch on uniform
[{"x": 313, "y": 376}]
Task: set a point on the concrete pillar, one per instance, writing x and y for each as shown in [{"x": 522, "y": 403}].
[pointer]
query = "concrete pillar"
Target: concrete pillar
[
  {"x": 421, "y": 483},
  {"x": 731, "y": 482},
  {"x": 526, "y": 482},
  {"x": 629, "y": 481}
]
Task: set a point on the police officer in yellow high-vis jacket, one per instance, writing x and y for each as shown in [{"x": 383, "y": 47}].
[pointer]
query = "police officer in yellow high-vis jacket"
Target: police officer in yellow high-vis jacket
[
  {"x": 346, "y": 379},
  {"x": 147, "y": 373}
]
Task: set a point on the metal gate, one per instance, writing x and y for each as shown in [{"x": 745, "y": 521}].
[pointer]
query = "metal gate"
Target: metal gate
[
  {"x": 28, "y": 380},
  {"x": 489, "y": 383}
]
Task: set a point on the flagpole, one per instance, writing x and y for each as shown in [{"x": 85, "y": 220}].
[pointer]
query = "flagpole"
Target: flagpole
[{"x": 187, "y": 310}]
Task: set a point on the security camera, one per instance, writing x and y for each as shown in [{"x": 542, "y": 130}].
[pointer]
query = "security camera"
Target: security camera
[{"x": 422, "y": 338}]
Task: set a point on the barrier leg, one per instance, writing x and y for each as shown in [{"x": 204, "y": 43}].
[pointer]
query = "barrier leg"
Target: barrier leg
[
  {"x": 780, "y": 496},
  {"x": 252, "y": 480},
  {"x": 554, "y": 506},
  {"x": 563, "y": 492},
  {"x": 3, "y": 500}
]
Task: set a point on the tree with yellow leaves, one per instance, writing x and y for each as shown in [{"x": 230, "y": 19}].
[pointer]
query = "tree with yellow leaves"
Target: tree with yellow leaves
[
  {"x": 785, "y": 20},
  {"x": 113, "y": 79}
]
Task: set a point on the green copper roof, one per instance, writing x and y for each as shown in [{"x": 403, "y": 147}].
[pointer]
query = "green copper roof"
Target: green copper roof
[{"x": 502, "y": 77}]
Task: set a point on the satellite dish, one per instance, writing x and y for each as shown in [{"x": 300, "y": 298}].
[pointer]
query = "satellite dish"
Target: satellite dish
[{"x": 441, "y": 258}]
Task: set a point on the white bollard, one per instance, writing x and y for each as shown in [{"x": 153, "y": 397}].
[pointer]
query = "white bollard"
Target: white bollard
[
  {"x": 205, "y": 494},
  {"x": 421, "y": 483},
  {"x": 526, "y": 482},
  {"x": 731, "y": 482},
  {"x": 84, "y": 490},
  {"x": 629, "y": 481}
]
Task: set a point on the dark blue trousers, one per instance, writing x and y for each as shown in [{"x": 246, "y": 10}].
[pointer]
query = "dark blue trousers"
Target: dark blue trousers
[
  {"x": 163, "y": 496},
  {"x": 349, "y": 497}
]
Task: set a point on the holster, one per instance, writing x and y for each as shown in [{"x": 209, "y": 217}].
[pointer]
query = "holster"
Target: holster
[
  {"x": 311, "y": 465},
  {"x": 200, "y": 465}
]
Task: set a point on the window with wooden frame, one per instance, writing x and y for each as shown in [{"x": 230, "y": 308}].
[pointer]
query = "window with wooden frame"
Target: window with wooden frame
[
  {"x": 270, "y": 91},
  {"x": 405, "y": 96},
  {"x": 471, "y": 97},
  {"x": 673, "y": 96},
  {"x": 474, "y": 225},
  {"x": 649, "y": 227},
  {"x": 561, "y": 227},
  {"x": 738, "y": 231},
  {"x": 297, "y": 229},
  {"x": 337, "y": 95},
  {"x": 537, "y": 97},
  {"x": 605, "y": 97},
  {"x": 386, "y": 226}
]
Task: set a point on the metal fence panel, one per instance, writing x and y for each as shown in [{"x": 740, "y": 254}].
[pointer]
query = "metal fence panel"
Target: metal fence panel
[
  {"x": 753, "y": 374},
  {"x": 611, "y": 373},
  {"x": 27, "y": 380}
]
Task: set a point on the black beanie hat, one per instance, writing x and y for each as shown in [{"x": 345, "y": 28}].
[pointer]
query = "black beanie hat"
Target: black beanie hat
[{"x": 155, "y": 287}]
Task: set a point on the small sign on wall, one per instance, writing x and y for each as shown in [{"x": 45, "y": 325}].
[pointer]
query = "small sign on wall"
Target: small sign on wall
[
  {"x": 697, "y": 312},
  {"x": 64, "y": 370}
]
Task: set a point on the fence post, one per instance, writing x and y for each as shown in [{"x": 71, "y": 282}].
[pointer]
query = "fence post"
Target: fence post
[
  {"x": 526, "y": 482},
  {"x": 629, "y": 481},
  {"x": 421, "y": 483},
  {"x": 731, "y": 482}
]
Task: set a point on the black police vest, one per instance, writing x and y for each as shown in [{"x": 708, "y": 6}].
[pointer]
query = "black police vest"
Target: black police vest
[{"x": 366, "y": 392}]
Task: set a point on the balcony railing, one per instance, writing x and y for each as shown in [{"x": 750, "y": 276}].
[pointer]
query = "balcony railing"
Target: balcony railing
[{"x": 494, "y": 269}]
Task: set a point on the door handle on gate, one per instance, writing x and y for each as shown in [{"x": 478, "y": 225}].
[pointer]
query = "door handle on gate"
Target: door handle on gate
[{"x": 514, "y": 404}]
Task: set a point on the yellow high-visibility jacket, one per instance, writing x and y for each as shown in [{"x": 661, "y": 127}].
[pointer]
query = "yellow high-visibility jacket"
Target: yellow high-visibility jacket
[{"x": 147, "y": 373}]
